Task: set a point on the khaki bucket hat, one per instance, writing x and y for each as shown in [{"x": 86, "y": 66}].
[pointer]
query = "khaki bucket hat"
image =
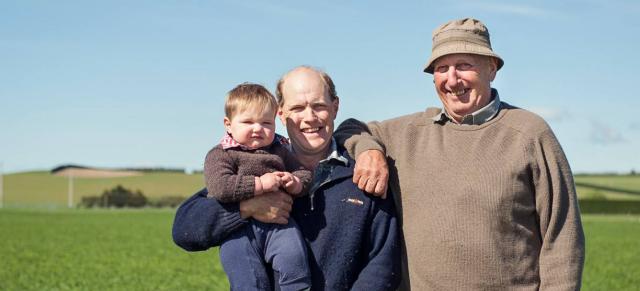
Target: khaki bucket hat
[{"x": 462, "y": 36}]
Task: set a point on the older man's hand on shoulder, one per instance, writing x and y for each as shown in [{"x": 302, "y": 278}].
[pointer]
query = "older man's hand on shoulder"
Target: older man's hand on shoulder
[{"x": 372, "y": 173}]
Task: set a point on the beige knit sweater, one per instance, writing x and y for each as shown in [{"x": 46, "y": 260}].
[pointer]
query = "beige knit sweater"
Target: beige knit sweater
[{"x": 483, "y": 207}]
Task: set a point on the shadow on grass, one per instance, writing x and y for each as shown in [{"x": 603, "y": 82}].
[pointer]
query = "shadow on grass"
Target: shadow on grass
[{"x": 609, "y": 207}]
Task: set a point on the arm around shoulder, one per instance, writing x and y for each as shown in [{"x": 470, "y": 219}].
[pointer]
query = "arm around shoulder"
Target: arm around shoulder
[
  {"x": 358, "y": 137},
  {"x": 366, "y": 145}
]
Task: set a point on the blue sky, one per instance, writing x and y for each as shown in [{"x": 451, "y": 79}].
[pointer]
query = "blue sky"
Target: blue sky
[{"x": 142, "y": 83}]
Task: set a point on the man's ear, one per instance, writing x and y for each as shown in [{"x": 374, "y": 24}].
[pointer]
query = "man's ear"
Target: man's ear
[
  {"x": 493, "y": 65},
  {"x": 336, "y": 105}
]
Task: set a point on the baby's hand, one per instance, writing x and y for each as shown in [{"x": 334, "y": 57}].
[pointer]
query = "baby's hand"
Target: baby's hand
[
  {"x": 268, "y": 182},
  {"x": 291, "y": 183}
]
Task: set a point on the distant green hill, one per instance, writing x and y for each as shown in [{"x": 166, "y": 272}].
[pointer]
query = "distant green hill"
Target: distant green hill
[
  {"x": 610, "y": 187},
  {"x": 44, "y": 189}
]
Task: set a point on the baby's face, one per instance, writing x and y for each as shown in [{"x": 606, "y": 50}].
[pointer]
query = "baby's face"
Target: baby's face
[{"x": 252, "y": 128}]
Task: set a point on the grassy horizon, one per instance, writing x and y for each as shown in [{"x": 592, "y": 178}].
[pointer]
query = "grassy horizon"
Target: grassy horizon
[
  {"x": 40, "y": 188},
  {"x": 608, "y": 187}
]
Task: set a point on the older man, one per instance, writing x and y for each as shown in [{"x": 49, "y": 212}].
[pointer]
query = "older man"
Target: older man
[
  {"x": 486, "y": 195},
  {"x": 352, "y": 237}
]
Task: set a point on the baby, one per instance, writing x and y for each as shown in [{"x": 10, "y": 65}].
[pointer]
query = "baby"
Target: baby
[{"x": 249, "y": 161}]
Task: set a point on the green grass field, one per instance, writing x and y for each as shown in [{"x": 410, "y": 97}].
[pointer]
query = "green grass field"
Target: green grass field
[
  {"x": 613, "y": 252},
  {"x": 100, "y": 250},
  {"x": 133, "y": 250},
  {"x": 92, "y": 249}
]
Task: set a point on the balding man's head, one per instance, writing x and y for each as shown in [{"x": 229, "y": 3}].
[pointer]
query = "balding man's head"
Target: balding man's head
[{"x": 309, "y": 73}]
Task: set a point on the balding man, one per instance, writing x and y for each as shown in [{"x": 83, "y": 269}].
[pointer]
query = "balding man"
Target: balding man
[
  {"x": 485, "y": 194},
  {"x": 352, "y": 237}
]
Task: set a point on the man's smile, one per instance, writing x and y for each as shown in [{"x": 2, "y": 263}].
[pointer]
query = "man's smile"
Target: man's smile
[
  {"x": 458, "y": 92},
  {"x": 311, "y": 129}
]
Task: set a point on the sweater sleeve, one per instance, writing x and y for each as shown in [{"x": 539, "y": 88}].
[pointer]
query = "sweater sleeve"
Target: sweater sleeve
[
  {"x": 563, "y": 245},
  {"x": 222, "y": 180},
  {"x": 294, "y": 166},
  {"x": 358, "y": 137},
  {"x": 201, "y": 223},
  {"x": 382, "y": 270}
]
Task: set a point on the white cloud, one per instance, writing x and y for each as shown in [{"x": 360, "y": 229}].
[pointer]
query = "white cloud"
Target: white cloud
[
  {"x": 604, "y": 134},
  {"x": 551, "y": 114}
]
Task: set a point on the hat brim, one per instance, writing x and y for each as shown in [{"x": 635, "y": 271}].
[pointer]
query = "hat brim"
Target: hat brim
[{"x": 460, "y": 47}]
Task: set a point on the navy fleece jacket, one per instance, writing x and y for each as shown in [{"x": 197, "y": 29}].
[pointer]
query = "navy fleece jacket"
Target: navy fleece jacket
[{"x": 353, "y": 237}]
